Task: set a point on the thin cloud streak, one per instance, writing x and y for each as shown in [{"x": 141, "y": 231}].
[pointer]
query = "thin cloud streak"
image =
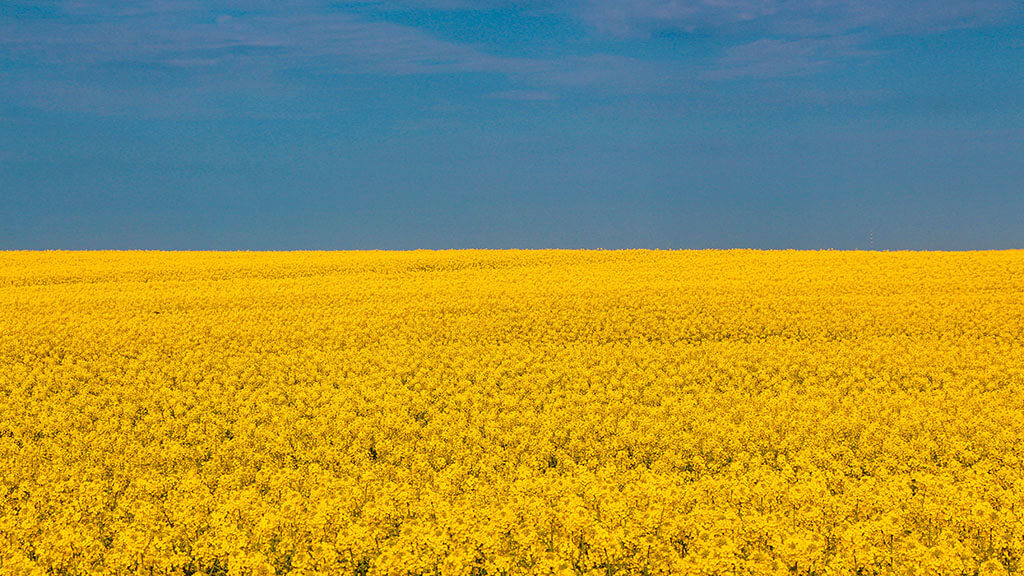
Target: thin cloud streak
[
  {"x": 158, "y": 42},
  {"x": 780, "y": 58},
  {"x": 797, "y": 17},
  {"x": 173, "y": 56},
  {"x": 525, "y": 95}
]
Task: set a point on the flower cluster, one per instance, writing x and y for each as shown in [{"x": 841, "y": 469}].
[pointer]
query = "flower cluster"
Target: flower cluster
[{"x": 512, "y": 412}]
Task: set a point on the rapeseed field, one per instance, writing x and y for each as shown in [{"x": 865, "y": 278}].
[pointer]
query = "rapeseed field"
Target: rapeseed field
[{"x": 512, "y": 412}]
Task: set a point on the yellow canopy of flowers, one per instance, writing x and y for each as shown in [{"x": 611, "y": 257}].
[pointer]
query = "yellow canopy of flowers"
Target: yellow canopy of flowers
[{"x": 511, "y": 412}]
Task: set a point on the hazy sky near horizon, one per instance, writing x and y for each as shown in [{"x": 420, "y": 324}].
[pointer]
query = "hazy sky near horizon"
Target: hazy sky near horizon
[{"x": 217, "y": 124}]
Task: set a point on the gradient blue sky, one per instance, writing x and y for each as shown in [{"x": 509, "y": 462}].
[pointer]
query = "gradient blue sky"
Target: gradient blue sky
[{"x": 214, "y": 124}]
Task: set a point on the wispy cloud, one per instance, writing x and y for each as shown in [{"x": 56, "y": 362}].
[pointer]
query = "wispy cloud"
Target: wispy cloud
[
  {"x": 525, "y": 95},
  {"x": 777, "y": 58},
  {"x": 173, "y": 55},
  {"x": 771, "y": 38},
  {"x": 780, "y": 38},
  {"x": 152, "y": 44},
  {"x": 643, "y": 17},
  {"x": 161, "y": 36}
]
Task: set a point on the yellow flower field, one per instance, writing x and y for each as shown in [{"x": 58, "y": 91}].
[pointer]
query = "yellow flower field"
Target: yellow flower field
[{"x": 512, "y": 412}]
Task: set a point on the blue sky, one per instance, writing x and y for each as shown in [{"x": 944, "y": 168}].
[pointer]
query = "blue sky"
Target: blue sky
[{"x": 214, "y": 124}]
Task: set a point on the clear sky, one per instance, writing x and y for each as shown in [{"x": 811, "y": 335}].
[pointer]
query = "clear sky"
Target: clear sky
[{"x": 215, "y": 124}]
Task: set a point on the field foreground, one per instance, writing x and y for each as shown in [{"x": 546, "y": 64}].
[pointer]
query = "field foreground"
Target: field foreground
[{"x": 507, "y": 412}]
